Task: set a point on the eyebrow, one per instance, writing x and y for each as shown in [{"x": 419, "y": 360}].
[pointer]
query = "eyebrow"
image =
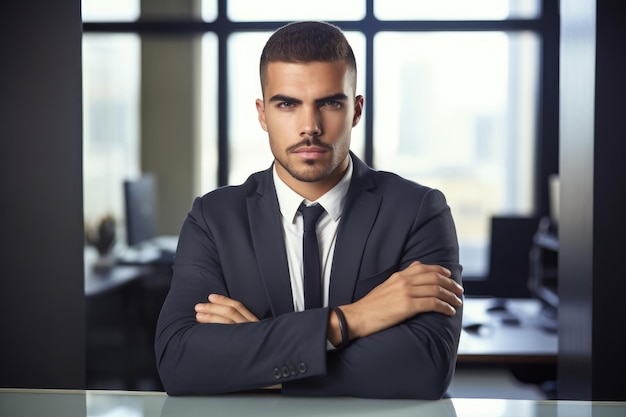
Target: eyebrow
[{"x": 282, "y": 97}]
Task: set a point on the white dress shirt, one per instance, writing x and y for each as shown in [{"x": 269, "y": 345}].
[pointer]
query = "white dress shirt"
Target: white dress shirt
[{"x": 293, "y": 228}]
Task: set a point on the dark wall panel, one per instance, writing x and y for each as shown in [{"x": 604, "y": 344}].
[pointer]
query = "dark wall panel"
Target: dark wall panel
[
  {"x": 41, "y": 227},
  {"x": 593, "y": 179}
]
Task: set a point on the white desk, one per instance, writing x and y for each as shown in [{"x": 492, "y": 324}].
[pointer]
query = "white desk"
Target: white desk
[
  {"x": 497, "y": 340},
  {"x": 28, "y": 403}
]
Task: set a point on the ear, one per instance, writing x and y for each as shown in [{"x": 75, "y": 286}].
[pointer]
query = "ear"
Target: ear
[
  {"x": 260, "y": 108},
  {"x": 358, "y": 110}
]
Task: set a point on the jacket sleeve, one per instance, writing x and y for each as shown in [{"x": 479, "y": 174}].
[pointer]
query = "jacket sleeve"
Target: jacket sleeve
[
  {"x": 415, "y": 359},
  {"x": 194, "y": 358}
]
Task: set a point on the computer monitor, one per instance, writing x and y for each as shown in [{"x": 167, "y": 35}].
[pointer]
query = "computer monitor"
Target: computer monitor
[
  {"x": 511, "y": 239},
  {"x": 511, "y": 242},
  {"x": 140, "y": 202}
]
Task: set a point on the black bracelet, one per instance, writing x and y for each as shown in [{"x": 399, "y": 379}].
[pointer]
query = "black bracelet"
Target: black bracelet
[{"x": 343, "y": 328}]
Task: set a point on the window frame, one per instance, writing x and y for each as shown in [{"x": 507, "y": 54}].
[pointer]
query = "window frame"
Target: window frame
[{"x": 546, "y": 26}]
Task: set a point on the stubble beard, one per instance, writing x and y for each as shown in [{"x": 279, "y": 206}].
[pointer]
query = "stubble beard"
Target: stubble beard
[{"x": 313, "y": 172}]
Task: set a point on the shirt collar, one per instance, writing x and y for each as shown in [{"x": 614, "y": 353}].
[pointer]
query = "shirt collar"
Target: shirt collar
[{"x": 333, "y": 201}]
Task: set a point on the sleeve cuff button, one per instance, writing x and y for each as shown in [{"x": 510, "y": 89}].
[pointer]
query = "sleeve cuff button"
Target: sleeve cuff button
[{"x": 302, "y": 368}]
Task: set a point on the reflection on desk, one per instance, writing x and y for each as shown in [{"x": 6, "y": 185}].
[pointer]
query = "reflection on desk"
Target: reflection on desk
[
  {"x": 19, "y": 403},
  {"x": 511, "y": 333}
]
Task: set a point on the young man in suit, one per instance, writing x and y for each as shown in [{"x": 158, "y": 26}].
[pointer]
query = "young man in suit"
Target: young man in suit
[{"x": 387, "y": 320}]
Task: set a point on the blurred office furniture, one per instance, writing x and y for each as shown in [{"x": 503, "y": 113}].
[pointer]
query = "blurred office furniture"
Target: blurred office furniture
[
  {"x": 511, "y": 335},
  {"x": 506, "y": 325},
  {"x": 144, "y": 245},
  {"x": 543, "y": 277},
  {"x": 140, "y": 209},
  {"x": 511, "y": 239},
  {"x": 124, "y": 301},
  {"x": 121, "y": 313}
]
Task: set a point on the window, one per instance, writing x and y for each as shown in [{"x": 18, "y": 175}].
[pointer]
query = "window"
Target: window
[
  {"x": 207, "y": 158},
  {"x": 455, "y": 9},
  {"x": 288, "y": 10},
  {"x": 109, "y": 10},
  {"x": 111, "y": 71},
  {"x": 456, "y": 111},
  {"x": 455, "y": 97}
]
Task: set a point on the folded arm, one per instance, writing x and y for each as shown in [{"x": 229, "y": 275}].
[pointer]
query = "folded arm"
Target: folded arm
[
  {"x": 415, "y": 290},
  {"x": 385, "y": 340}
]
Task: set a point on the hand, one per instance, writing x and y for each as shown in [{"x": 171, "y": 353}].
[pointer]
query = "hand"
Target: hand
[
  {"x": 223, "y": 310},
  {"x": 419, "y": 288}
]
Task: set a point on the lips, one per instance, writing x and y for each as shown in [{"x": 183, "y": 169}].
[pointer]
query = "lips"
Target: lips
[{"x": 310, "y": 152}]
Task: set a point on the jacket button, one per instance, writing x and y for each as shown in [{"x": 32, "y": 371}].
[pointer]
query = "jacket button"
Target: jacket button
[
  {"x": 277, "y": 373},
  {"x": 302, "y": 368},
  {"x": 294, "y": 370},
  {"x": 285, "y": 372}
]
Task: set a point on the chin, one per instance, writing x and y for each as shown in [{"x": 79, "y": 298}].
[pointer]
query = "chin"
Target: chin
[{"x": 311, "y": 174}]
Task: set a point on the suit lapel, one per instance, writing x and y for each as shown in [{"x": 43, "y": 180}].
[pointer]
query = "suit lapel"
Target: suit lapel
[
  {"x": 357, "y": 219},
  {"x": 360, "y": 211},
  {"x": 269, "y": 244}
]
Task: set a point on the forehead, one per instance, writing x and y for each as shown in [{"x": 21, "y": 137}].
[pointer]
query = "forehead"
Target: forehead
[{"x": 317, "y": 78}]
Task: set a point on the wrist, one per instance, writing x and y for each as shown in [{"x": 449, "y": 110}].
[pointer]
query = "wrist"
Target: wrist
[
  {"x": 334, "y": 332},
  {"x": 353, "y": 321},
  {"x": 344, "y": 336}
]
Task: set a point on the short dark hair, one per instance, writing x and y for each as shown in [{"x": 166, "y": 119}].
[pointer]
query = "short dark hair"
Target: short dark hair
[{"x": 303, "y": 42}]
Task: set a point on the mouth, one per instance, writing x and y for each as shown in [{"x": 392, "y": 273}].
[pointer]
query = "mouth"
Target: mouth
[
  {"x": 310, "y": 149},
  {"x": 310, "y": 152}
]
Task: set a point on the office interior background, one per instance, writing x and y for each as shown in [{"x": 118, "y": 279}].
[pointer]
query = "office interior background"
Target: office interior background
[
  {"x": 469, "y": 99},
  {"x": 453, "y": 99}
]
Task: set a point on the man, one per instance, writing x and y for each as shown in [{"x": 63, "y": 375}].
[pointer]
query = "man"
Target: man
[{"x": 388, "y": 318}]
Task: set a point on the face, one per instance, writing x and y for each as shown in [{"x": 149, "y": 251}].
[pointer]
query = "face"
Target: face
[{"x": 309, "y": 110}]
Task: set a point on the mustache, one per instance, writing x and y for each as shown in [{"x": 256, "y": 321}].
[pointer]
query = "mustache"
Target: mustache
[{"x": 312, "y": 141}]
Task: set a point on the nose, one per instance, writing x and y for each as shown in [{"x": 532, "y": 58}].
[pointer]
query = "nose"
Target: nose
[{"x": 310, "y": 123}]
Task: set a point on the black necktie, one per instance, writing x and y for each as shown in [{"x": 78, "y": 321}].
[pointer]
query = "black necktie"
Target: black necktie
[{"x": 311, "y": 255}]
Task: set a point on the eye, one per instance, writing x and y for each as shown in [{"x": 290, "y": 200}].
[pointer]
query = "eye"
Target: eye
[
  {"x": 333, "y": 104},
  {"x": 285, "y": 105}
]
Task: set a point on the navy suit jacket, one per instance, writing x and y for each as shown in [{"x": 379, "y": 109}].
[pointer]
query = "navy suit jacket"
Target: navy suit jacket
[{"x": 232, "y": 244}]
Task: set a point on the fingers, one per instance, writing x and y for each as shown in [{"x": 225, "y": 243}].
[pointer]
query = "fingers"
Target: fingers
[
  {"x": 438, "y": 305},
  {"x": 429, "y": 288},
  {"x": 435, "y": 292},
  {"x": 237, "y": 305},
  {"x": 223, "y": 310},
  {"x": 423, "y": 274}
]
